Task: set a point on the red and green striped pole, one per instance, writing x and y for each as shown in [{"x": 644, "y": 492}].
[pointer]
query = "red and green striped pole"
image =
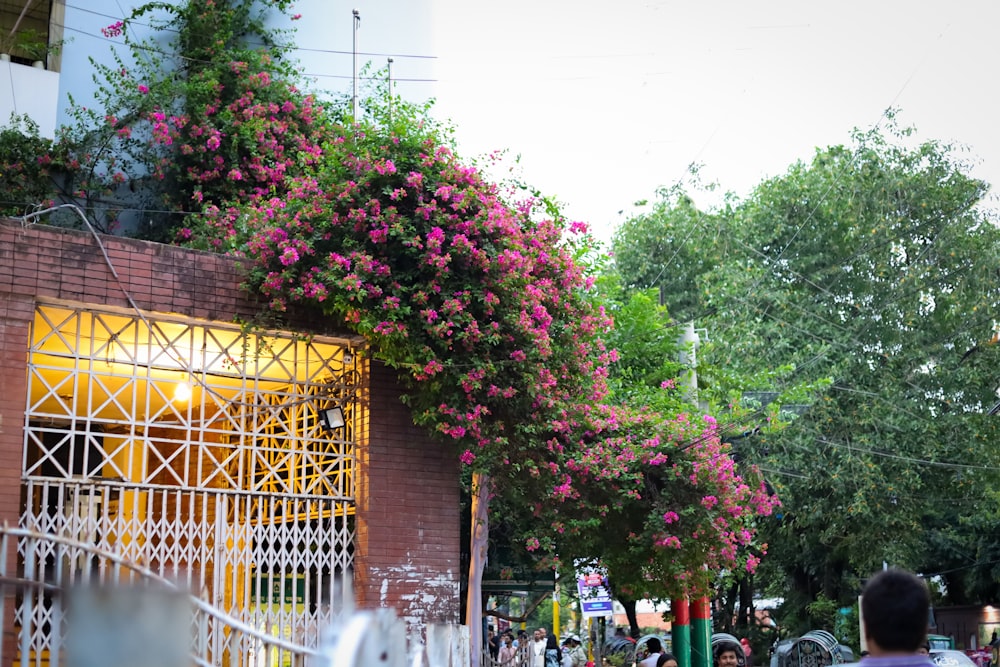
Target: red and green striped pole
[
  {"x": 680, "y": 632},
  {"x": 701, "y": 633}
]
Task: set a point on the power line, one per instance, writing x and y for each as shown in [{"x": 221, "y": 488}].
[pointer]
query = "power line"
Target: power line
[
  {"x": 964, "y": 567},
  {"x": 150, "y": 49},
  {"x": 911, "y": 459},
  {"x": 291, "y": 48}
]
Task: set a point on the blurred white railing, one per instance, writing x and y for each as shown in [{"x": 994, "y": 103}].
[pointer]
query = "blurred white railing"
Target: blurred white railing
[{"x": 114, "y": 613}]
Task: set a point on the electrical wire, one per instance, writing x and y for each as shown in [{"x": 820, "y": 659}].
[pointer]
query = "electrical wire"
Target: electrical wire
[
  {"x": 964, "y": 567},
  {"x": 188, "y": 59},
  {"x": 291, "y": 48},
  {"x": 911, "y": 459}
]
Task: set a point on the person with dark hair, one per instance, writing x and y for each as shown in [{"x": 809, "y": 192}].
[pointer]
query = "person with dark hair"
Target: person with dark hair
[
  {"x": 653, "y": 650},
  {"x": 725, "y": 656},
  {"x": 666, "y": 660},
  {"x": 553, "y": 654},
  {"x": 573, "y": 653},
  {"x": 507, "y": 654},
  {"x": 895, "y": 606}
]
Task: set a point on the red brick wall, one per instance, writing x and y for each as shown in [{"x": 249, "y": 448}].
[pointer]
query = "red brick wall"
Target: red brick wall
[
  {"x": 66, "y": 264},
  {"x": 407, "y": 551},
  {"x": 408, "y": 514}
]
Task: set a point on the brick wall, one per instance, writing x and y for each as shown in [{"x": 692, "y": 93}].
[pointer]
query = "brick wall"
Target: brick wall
[
  {"x": 408, "y": 546},
  {"x": 407, "y": 550}
]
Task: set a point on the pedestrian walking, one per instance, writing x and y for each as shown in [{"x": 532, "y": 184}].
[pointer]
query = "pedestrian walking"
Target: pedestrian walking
[{"x": 895, "y": 605}]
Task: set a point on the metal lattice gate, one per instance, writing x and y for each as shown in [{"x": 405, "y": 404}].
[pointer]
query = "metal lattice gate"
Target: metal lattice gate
[{"x": 195, "y": 450}]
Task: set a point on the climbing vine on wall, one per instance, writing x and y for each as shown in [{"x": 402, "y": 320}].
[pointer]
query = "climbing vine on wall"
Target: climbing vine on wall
[{"x": 479, "y": 294}]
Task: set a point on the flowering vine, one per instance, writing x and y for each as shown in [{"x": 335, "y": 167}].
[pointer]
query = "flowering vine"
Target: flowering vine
[{"x": 477, "y": 294}]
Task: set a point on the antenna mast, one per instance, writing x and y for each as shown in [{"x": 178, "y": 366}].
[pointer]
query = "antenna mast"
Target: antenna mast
[
  {"x": 354, "y": 97},
  {"x": 390, "y": 89}
]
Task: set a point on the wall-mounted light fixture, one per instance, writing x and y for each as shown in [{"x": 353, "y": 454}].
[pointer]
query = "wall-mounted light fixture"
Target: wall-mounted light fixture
[{"x": 331, "y": 418}]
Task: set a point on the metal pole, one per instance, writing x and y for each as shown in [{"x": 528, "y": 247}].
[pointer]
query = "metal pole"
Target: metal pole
[
  {"x": 354, "y": 97},
  {"x": 599, "y": 642},
  {"x": 390, "y": 89},
  {"x": 555, "y": 609},
  {"x": 681, "y": 631},
  {"x": 701, "y": 633}
]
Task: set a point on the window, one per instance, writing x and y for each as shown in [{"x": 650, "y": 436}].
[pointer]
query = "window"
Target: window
[{"x": 31, "y": 31}]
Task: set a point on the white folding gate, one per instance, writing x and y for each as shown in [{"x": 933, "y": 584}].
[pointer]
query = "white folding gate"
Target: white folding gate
[{"x": 195, "y": 450}]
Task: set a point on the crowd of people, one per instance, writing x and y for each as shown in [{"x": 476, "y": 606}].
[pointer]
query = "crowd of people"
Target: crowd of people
[
  {"x": 542, "y": 650},
  {"x": 894, "y": 605}
]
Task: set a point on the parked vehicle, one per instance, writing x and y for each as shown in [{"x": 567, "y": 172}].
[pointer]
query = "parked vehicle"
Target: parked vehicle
[
  {"x": 619, "y": 650},
  {"x": 950, "y": 658},
  {"x": 813, "y": 649},
  {"x": 941, "y": 643}
]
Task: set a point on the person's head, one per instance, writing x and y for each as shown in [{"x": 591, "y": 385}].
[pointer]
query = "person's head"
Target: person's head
[
  {"x": 537, "y": 634},
  {"x": 653, "y": 645},
  {"x": 725, "y": 656},
  {"x": 508, "y": 638},
  {"x": 925, "y": 648},
  {"x": 543, "y": 632},
  {"x": 551, "y": 642},
  {"x": 666, "y": 660},
  {"x": 895, "y": 606}
]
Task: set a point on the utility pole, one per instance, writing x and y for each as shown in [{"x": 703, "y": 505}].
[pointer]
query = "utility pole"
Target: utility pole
[
  {"x": 354, "y": 98},
  {"x": 689, "y": 359},
  {"x": 695, "y": 641}
]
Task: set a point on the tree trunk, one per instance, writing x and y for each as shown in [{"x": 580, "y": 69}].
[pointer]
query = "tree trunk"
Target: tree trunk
[
  {"x": 727, "y": 608},
  {"x": 477, "y": 562},
  {"x": 745, "y": 617},
  {"x": 634, "y": 630}
]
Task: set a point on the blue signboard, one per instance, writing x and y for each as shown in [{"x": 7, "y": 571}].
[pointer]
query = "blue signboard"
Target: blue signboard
[{"x": 595, "y": 598}]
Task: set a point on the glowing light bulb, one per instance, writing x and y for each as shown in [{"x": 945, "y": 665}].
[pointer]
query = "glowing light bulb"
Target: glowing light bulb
[{"x": 182, "y": 392}]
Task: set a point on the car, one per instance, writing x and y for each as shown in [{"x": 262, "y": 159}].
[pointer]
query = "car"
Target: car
[
  {"x": 940, "y": 642},
  {"x": 951, "y": 659}
]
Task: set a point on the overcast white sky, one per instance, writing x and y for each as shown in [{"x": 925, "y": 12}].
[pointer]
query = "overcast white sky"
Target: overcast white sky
[{"x": 606, "y": 101}]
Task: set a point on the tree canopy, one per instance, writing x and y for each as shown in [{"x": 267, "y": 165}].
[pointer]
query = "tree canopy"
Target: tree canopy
[{"x": 861, "y": 287}]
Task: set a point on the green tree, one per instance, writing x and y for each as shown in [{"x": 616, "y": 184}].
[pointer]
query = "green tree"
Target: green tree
[
  {"x": 867, "y": 277},
  {"x": 682, "y": 235}
]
